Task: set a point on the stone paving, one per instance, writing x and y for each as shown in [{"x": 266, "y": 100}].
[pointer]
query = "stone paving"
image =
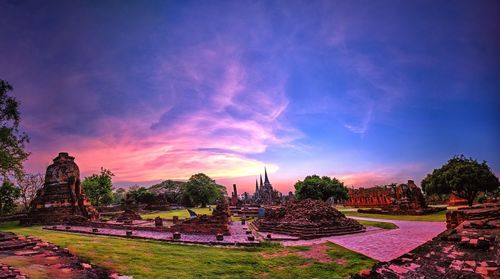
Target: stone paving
[
  {"x": 383, "y": 245},
  {"x": 237, "y": 230}
]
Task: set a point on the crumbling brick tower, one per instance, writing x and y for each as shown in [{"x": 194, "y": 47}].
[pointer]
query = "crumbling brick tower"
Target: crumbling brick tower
[{"x": 61, "y": 200}]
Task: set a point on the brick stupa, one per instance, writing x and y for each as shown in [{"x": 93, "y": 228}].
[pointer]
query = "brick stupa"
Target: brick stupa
[{"x": 61, "y": 200}]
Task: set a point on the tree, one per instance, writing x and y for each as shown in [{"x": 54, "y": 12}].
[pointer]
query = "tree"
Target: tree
[
  {"x": 141, "y": 195},
  {"x": 320, "y": 188},
  {"x": 99, "y": 187},
  {"x": 203, "y": 190},
  {"x": 29, "y": 184},
  {"x": 172, "y": 190},
  {"x": 463, "y": 176},
  {"x": 119, "y": 195},
  {"x": 8, "y": 196},
  {"x": 12, "y": 153}
]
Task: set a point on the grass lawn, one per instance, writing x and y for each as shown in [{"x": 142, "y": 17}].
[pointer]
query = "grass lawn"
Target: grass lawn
[
  {"x": 156, "y": 259},
  {"x": 383, "y": 225},
  {"x": 434, "y": 217},
  {"x": 182, "y": 213}
]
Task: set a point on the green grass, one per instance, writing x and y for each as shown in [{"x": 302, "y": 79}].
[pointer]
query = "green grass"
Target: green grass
[
  {"x": 156, "y": 259},
  {"x": 434, "y": 217},
  {"x": 383, "y": 225},
  {"x": 182, "y": 213}
]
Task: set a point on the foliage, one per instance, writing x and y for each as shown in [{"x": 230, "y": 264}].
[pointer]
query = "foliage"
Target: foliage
[
  {"x": 320, "y": 188},
  {"x": 12, "y": 153},
  {"x": 141, "y": 195},
  {"x": 203, "y": 190},
  {"x": 8, "y": 195},
  {"x": 173, "y": 191},
  {"x": 119, "y": 195},
  {"x": 157, "y": 259},
  {"x": 463, "y": 176},
  {"x": 29, "y": 184},
  {"x": 99, "y": 187}
]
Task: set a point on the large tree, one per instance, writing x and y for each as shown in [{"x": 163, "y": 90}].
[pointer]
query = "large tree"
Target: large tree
[
  {"x": 29, "y": 184},
  {"x": 463, "y": 176},
  {"x": 320, "y": 188},
  {"x": 12, "y": 141},
  {"x": 203, "y": 190},
  {"x": 141, "y": 195},
  {"x": 99, "y": 187},
  {"x": 173, "y": 191},
  {"x": 8, "y": 196}
]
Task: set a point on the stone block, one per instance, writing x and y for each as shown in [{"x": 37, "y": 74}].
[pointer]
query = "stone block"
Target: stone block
[{"x": 176, "y": 235}]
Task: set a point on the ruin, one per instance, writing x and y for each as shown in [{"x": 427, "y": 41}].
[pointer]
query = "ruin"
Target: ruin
[
  {"x": 265, "y": 193},
  {"x": 129, "y": 213},
  {"x": 25, "y": 257},
  {"x": 61, "y": 200},
  {"x": 307, "y": 219},
  {"x": 455, "y": 200},
  {"x": 468, "y": 249},
  {"x": 218, "y": 222},
  {"x": 391, "y": 199}
]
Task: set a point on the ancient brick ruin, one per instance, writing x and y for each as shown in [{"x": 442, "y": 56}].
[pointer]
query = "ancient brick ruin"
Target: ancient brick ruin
[
  {"x": 392, "y": 199},
  {"x": 29, "y": 254},
  {"x": 468, "y": 249},
  {"x": 218, "y": 222},
  {"x": 455, "y": 200},
  {"x": 61, "y": 200},
  {"x": 307, "y": 219}
]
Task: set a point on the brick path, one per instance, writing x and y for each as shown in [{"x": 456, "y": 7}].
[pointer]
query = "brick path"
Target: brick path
[
  {"x": 236, "y": 229},
  {"x": 383, "y": 245}
]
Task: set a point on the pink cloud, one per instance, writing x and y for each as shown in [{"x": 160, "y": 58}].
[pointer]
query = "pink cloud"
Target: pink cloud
[{"x": 237, "y": 114}]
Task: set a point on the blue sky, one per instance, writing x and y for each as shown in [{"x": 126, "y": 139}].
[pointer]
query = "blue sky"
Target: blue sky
[{"x": 371, "y": 92}]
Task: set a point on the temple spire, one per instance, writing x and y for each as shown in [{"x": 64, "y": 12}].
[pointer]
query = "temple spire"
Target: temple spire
[
  {"x": 256, "y": 186},
  {"x": 266, "y": 181},
  {"x": 261, "y": 184}
]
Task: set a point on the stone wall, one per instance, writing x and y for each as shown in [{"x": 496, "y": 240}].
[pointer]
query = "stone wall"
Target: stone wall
[{"x": 392, "y": 198}]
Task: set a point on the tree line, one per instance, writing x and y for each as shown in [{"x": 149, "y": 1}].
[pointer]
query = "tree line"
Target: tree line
[{"x": 199, "y": 190}]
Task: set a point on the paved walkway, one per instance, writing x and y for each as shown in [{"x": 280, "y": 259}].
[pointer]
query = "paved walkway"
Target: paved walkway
[
  {"x": 383, "y": 245},
  {"x": 237, "y": 235}
]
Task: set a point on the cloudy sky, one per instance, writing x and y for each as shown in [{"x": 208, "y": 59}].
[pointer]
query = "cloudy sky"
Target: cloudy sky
[{"x": 367, "y": 91}]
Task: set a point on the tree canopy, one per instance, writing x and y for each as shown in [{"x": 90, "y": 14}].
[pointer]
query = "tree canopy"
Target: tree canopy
[
  {"x": 8, "y": 195},
  {"x": 202, "y": 190},
  {"x": 141, "y": 195},
  {"x": 99, "y": 187},
  {"x": 173, "y": 191},
  {"x": 463, "y": 176},
  {"x": 29, "y": 184},
  {"x": 320, "y": 188},
  {"x": 12, "y": 141}
]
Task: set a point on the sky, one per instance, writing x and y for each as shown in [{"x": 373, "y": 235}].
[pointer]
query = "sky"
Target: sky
[{"x": 370, "y": 92}]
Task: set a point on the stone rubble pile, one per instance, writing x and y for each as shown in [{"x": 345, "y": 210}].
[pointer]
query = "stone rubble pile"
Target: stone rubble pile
[
  {"x": 468, "y": 249},
  {"x": 307, "y": 219},
  {"x": 54, "y": 259}
]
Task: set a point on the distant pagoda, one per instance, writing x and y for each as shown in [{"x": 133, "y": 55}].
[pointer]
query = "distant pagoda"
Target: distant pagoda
[{"x": 265, "y": 193}]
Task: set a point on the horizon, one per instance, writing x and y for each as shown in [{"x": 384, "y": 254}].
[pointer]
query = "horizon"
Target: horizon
[{"x": 370, "y": 94}]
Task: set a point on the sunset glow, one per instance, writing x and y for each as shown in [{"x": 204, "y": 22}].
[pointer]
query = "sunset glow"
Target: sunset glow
[{"x": 163, "y": 90}]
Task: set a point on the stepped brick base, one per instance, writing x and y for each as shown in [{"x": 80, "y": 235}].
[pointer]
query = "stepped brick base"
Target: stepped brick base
[{"x": 307, "y": 219}]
